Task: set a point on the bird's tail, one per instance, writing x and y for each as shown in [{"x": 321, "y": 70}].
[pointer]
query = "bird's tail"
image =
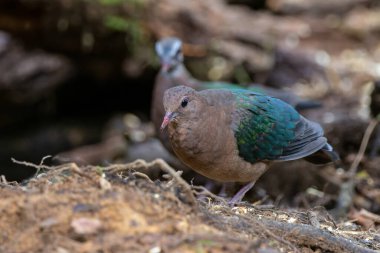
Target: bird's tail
[{"x": 324, "y": 156}]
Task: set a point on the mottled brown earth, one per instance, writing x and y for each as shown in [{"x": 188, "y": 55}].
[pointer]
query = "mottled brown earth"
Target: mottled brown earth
[{"x": 119, "y": 209}]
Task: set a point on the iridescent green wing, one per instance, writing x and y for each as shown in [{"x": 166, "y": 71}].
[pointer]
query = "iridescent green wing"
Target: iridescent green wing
[{"x": 267, "y": 128}]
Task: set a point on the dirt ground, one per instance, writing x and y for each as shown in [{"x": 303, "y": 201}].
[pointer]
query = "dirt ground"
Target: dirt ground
[{"x": 120, "y": 209}]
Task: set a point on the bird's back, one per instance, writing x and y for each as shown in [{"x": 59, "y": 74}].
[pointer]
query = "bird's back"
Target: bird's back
[{"x": 268, "y": 129}]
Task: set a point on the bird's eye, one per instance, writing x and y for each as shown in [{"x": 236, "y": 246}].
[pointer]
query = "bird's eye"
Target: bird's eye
[{"x": 184, "y": 102}]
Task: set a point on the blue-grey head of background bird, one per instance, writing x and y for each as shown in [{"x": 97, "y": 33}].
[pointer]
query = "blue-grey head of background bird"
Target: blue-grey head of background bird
[{"x": 169, "y": 51}]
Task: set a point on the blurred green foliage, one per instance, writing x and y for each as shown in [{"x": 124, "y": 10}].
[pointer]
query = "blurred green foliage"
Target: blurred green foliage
[
  {"x": 242, "y": 75},
  {"x": 118, "y": 23},
  {"x": 130, "y": 26},
  {"x": 119, "y": 2},
  {"x": 125, "y": 16},
  {"x": 111, "y": 2}
]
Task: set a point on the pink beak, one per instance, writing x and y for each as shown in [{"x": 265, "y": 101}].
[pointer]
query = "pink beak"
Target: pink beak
[
  {"x": 165, "y": 66},
  {"x": 166, "y": 121}
]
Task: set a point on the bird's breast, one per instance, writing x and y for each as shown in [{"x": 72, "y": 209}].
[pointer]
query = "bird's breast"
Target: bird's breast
[
  {"x": 188, "y": 140},
  {"x": 208, "y": 146},
  {"x": 200, "y": 135}
]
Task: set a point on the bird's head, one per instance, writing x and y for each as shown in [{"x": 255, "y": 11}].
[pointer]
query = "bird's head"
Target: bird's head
[
  {"x": 170, "y": 52},
  {"x": 181, "y": 102}
]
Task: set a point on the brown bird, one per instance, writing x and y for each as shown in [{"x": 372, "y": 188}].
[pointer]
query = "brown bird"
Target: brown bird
[{"x": 232, "y": 135}]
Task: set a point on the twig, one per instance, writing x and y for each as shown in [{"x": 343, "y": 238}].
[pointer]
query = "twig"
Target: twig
[
  {"x": 279, "y": 239},
  {"x": 3, "y": 180},
  {"x": 165, "y": 167},
  {"x": 291, "y": 234},
  {"x": 122, "y": 167},
  {"x": 57, "y": 169},
  {"x": 138, "y": 164},
  {"x": 37, "y": 167},
  {"x": 142, "y": 175},
  {"x": 28, "y": 164},
  {"x": 328, "y": 217},
  {"x": 74, "y": 167},
  {"x": 363, "y": 147},
  {"x": 346, "y": 193},
  {"x": 254, "y": 224},
  {"x": 313, "y": 219},
  {"x": 44, "y": 158},
  {"x": 204, "y": 191}
]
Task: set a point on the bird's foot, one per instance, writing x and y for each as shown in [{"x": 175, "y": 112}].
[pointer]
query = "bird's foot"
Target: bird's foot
[{"x": 240, "y": 194}]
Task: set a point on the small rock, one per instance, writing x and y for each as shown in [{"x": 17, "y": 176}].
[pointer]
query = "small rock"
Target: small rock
[
  {"x": 267, "y": 250},
  {"x": 155, "y": 250},
  {"x": 104, "y": 183},
  {"x": 48, "y": 222},
  {"x": 84, "y": 208},
  {"x": 85, "y": 225}
]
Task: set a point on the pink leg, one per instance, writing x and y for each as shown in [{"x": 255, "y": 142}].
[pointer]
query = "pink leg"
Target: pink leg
[
  {"x": 240, "y": 194},
  {"x": 226, "y": 188}
]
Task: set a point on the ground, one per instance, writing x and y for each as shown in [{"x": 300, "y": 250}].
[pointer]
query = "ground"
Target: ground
[{"x": 120, "y": 209}]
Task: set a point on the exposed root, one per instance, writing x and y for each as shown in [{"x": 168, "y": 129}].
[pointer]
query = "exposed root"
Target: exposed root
[
  {"x": 139, "y": 164},
  {"x": 346, "y": 194},
  {"x": 292, "y": 234},
  {"x": 142, "y": 175},
  {"x": 5, "y": 183},
  {"x": 302, "y": 234},
  {"x": 29, "y": 164},
  {"x": 363, "y": 147},
  {"x": 277, "y": 238},
  {"x": 203, "y": 192},
  {"x": 116, "y": 168}
]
